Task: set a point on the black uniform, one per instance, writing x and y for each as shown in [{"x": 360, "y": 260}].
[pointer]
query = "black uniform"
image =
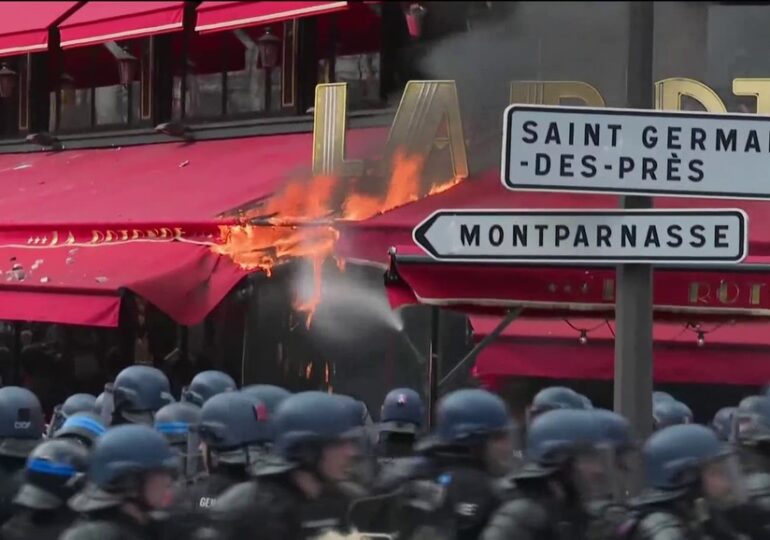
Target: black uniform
[
  {"x": 11, "y": 478},
  {"x": 113, "y": 524},
  {"x": 27, "y": 524},
  {"x": 448, "y": 496},
  {"x": 273, "y": 508}
]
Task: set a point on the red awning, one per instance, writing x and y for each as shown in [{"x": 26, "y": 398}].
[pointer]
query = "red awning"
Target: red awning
[
  {"x": 104, "y": 194},
  {"x": 732, "y": 354},
  {"x": 370, "y": 240},
  {"x": 723, "y": 292},
  {"x": 217, "y": 16},
  {"x": 99, "y": 22},
  {"x": 24, "y": 25}
]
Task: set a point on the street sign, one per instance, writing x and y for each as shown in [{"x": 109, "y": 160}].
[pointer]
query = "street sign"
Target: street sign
[
  {"x": 634, "y": 151},
  {"x": 585, "y": 236}
]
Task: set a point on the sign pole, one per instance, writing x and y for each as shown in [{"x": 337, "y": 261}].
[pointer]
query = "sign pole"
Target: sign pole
[{"x": 633, "y": 384}]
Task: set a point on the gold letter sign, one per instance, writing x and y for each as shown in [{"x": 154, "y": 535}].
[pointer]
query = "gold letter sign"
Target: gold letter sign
[
  {"x": 329, "y": 132},
  {"x": 669, "y": 93},
  {"x": 429, "y": 113}
]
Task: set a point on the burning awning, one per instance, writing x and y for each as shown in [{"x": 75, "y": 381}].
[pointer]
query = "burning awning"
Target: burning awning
[
  {"x": 78, "y": 227},
  {"x": 728, "y": 354},
  {"x": 24, "y": 30},
  {"x": 99, "y": 22},
  {"x": 218, "y": 16}
]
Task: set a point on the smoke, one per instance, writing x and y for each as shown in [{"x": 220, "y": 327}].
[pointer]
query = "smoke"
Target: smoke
[
  {"x": 350, "y": 306},
  {"x": 527, "y": 41}
]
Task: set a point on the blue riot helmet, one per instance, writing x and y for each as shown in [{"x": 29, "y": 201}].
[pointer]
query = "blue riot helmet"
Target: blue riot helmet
[
  {"x": 662, "y": 396},
  {"x": 587, "y": 404},
  {"x": 231, "y": 425},
  {"x": 137, "y": 393},
  {"x": 751, "y": 421},
  {"x": 466, "y": 418},
  {"x": 120, "y": 462},
  {"x": 53, "y": 473},
  {"x": 578, "y": 447},
  {"x": 271, "y": 396},
  {"x": 99, "y": 403},
  {"x": 670, "y": 413},
  {"x": 305, "y": 424},
  {"x": 175, "y": 421},
  {"x": 21, "y": 422},
  {"x": 82, "y": 427},
  {"x": 682, "y": 459},
  {"x": 179, "y": 423},
  {"x": 722, "y": 423},
  {"x": 468, "y": 423},
  {"x": 74, "y": 404},
  {"x": 207, "y": 384},
  {"x": 554, "y": 397},
  {"x": 402, "y": 411}
]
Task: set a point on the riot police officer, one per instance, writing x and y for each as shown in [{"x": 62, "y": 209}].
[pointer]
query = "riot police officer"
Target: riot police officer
[
  {"x": 74, "y": 404},
  {"x": 400, "y": 421},
  {"x": 555, "y": 397},
  {"x": 295, "y": 495},
  {"x": 567, "y": 478},
  {"x": 231, "y": 429},
  {"x": 751, "y": 432},
  {"x": 659, "y": 395},
  {"x": 21, "y": 428},
  {"x": 722, "y": 423},
  {"x": 52, "y": 476},
  {"x": 83, "y": 428},
  {"x": 130, "y": 475},
  {"x": 452, "y": 489},
  {"x": 137, "y": 393},
  {"x": 177, "y": 422},
  {"x": 207, "y": 384},
  {"x": 670, "y": 413},
  {"x": 690, "y": 478}
]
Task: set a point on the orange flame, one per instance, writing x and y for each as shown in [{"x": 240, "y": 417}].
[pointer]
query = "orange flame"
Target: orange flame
[{"x": 298, "y": 221}]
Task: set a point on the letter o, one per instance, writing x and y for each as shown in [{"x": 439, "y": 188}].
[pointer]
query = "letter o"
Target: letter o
[{"x": 495, "y": 235}]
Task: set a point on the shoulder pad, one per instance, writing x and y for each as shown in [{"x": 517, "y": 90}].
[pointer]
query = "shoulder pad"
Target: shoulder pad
[
  {"x": 93, "y": 530},
  {"x": 517, "y": 518},
  {"x": 657, "y": 523},
  {"x": 235, "y": 500}
]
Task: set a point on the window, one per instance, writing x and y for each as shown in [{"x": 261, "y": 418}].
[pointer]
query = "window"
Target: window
[
  {"x": 349, "y": 45},
  {"x": 13, "y": 96},
  {"x": 89, "y": 93},
  {"x": 224, "y": 74}
]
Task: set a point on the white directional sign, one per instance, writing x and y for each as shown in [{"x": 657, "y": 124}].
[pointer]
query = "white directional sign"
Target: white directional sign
[
  {"x": 591, "y": 236},
  {"x": 636, "y": 151}
]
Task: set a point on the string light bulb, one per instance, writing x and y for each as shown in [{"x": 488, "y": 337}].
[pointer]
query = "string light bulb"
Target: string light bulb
[
  {"x": 583, "y": 339},
  {"x": 701, "y": 338}
]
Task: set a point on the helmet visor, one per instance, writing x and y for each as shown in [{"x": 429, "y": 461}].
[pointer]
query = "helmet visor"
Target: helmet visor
[{"x": 723, "y": 482}]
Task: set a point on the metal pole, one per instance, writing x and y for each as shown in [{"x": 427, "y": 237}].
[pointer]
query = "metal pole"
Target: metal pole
[
  {"x": 489, "y": 338},
  {"x": 433, "y": 364},
  {"x": 633, "y": 307}
]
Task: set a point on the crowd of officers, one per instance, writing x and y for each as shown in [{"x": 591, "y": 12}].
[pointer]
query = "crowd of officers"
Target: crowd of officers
[{"x": 259, "y": 462}]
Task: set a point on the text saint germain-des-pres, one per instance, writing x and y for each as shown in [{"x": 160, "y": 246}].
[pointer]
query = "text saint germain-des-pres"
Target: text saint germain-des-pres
[{"x": 673, "y": 138}]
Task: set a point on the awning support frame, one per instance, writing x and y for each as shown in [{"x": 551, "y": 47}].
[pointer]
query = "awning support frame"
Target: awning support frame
[{"x": 511, "y": 316}]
